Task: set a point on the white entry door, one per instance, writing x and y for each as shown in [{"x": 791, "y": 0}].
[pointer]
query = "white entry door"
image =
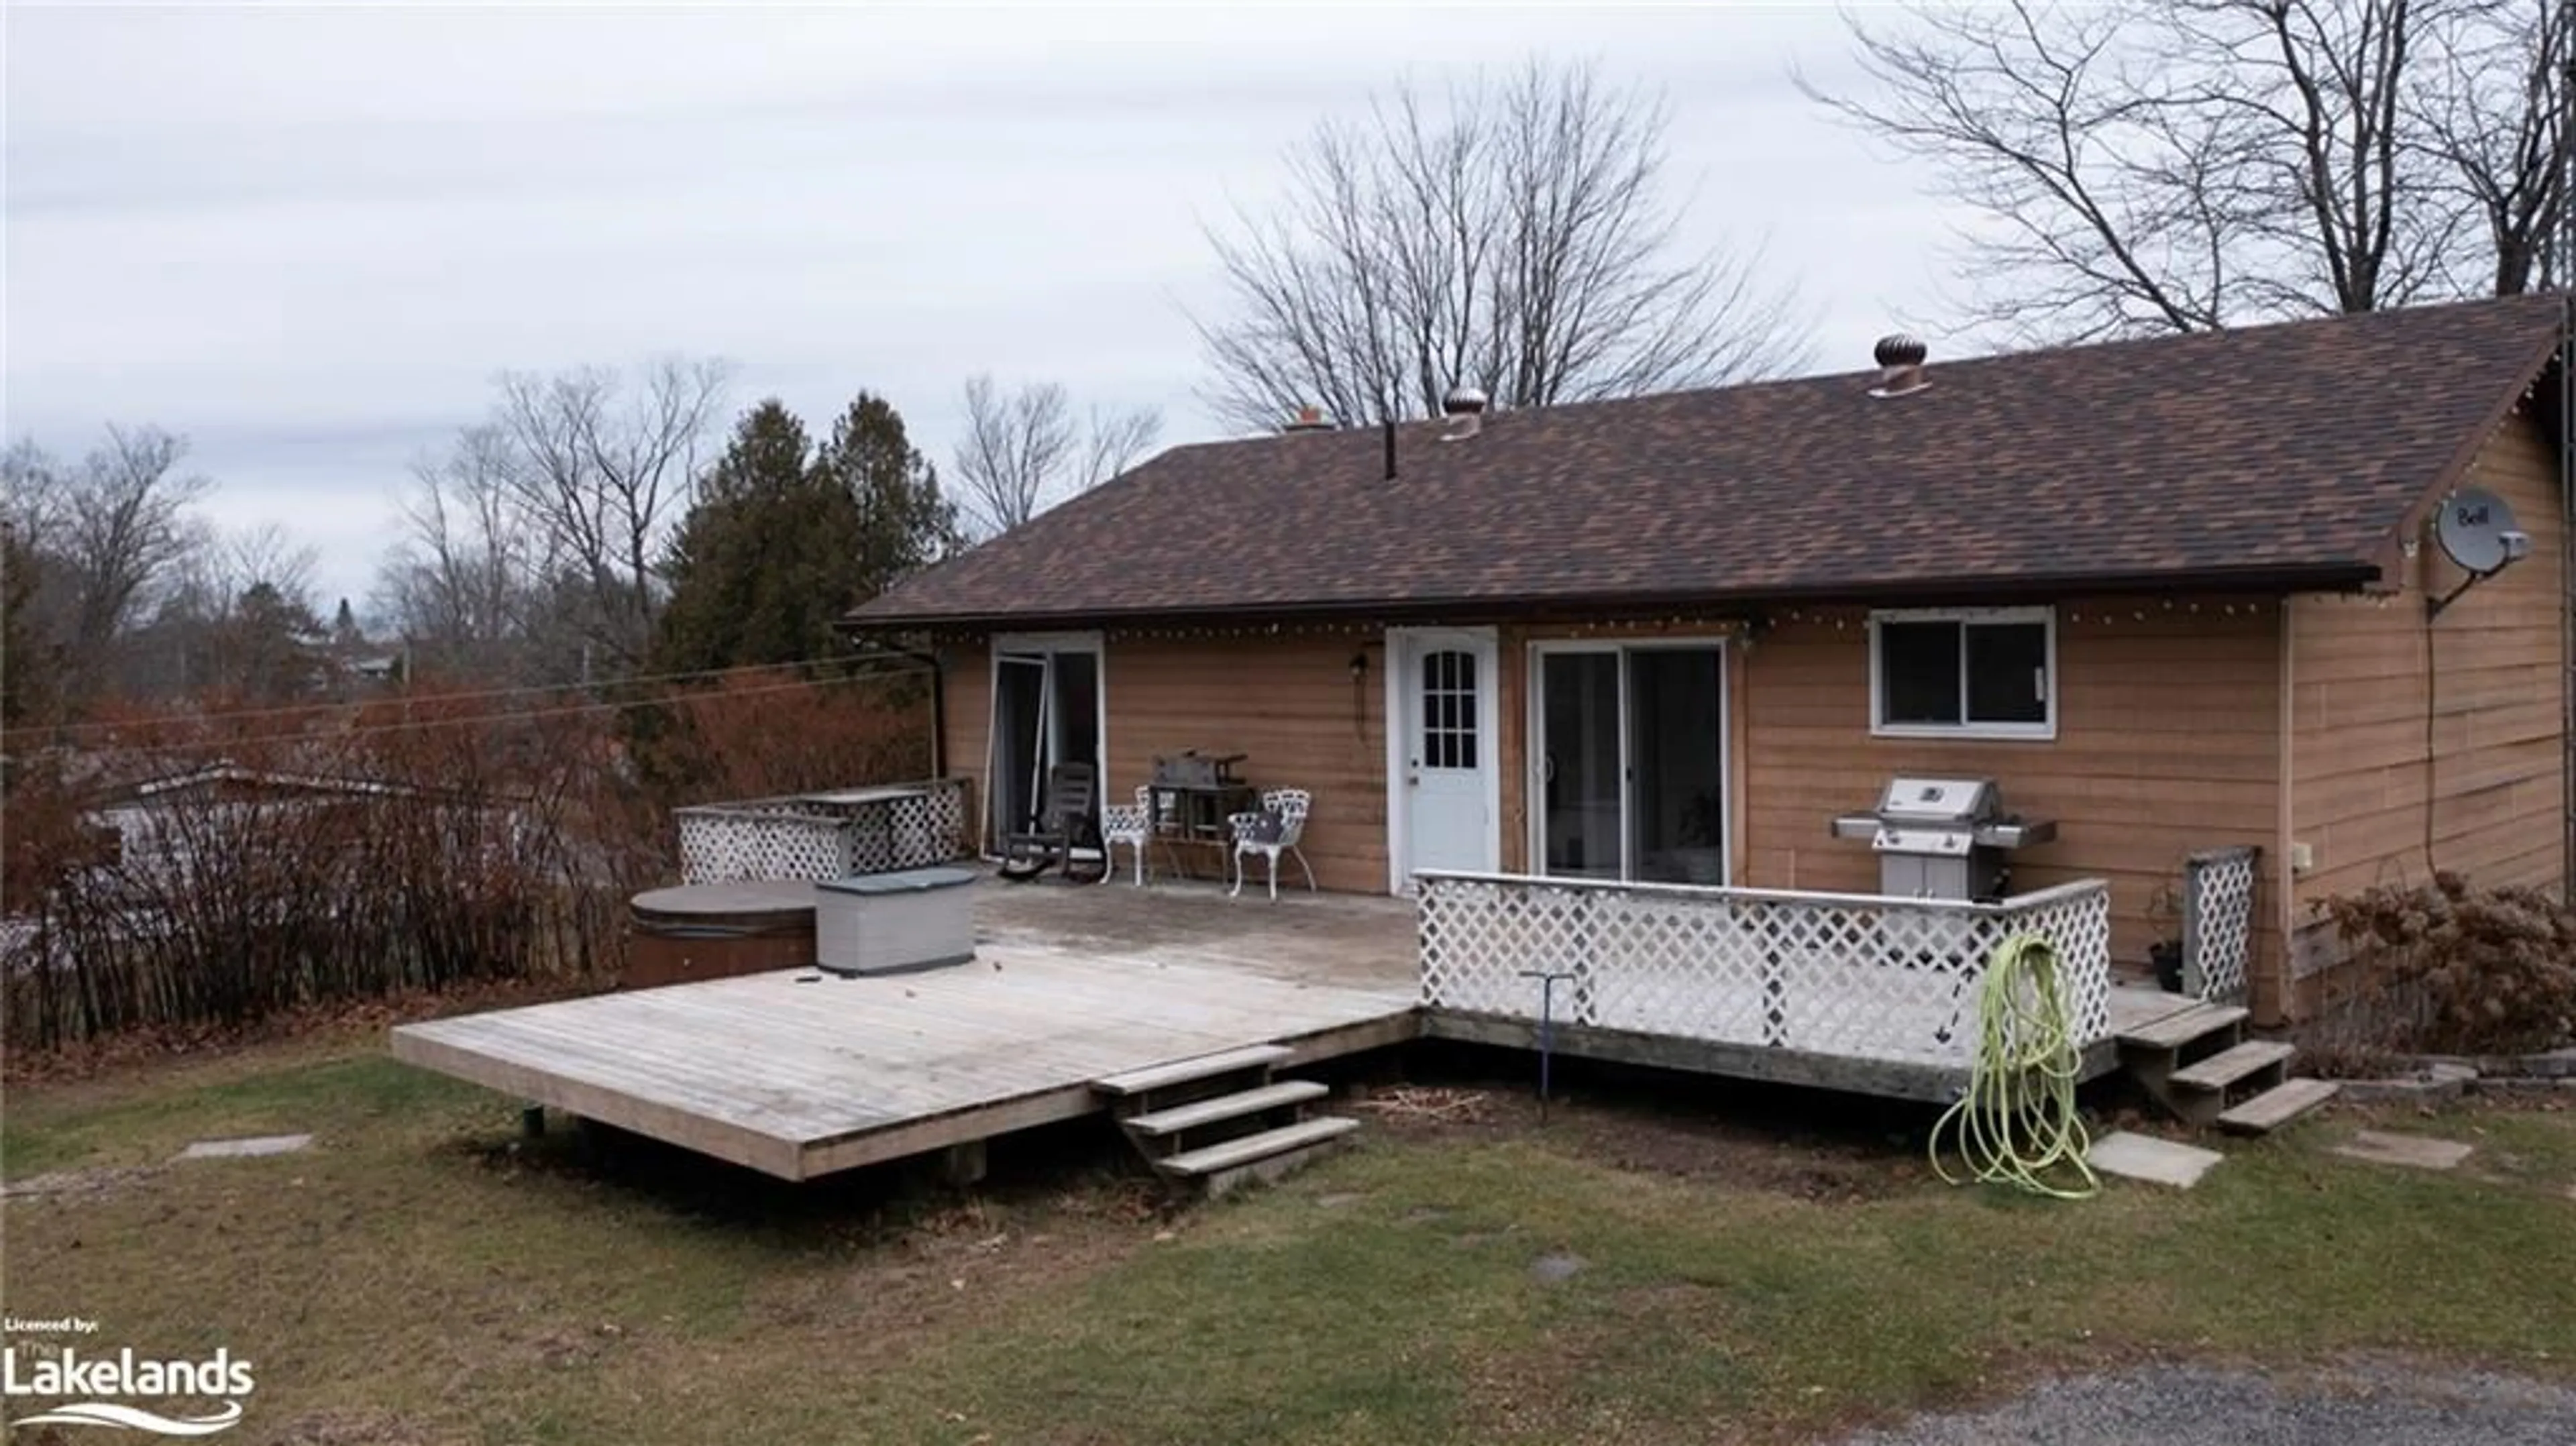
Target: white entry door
[{"x": 1443, "y": 781}]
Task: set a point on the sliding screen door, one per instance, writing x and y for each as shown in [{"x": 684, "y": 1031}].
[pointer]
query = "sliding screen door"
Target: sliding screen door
[
  {"x": 1046, "y": 711},
  {"x": 1579, "y": 767},
  {"x": 1676, "y": 767},
  {"x": 1019, "y": 741},
  {"x": 1630, "y": 763}
]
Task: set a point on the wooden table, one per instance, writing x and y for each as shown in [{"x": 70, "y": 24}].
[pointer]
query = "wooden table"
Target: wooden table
[{"x": 1195, "y": 814}]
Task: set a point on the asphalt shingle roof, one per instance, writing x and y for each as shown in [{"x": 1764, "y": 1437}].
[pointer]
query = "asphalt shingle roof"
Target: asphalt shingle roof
[{"x": 2283, "y": 452}]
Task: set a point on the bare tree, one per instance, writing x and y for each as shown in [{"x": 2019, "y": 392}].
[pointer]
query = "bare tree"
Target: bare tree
[
  {"x": 1022, "y": 452},
  {"x": 1014, "y": 446},
  {"x": 1116, "y": 440},
  {"x": 1514, "y": 236},
  {"x": 240, "y": 617},
  {"x": 103, "y": 541},
  {"x": 2500, "y": 117},
  {"x": 120, "y": 525},
  {"x": 599, "y": 468},
  {"x": 461, "y": 583},
  {"x": 268, "y": 556},
  {"x": 2178, "y": 165}
]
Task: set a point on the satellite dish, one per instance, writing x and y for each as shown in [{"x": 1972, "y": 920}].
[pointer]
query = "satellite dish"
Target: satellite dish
[{"x": 2475, "y": 529}]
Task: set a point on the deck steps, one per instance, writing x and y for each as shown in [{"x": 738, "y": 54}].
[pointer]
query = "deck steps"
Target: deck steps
[
  {"x": 2197, "y": 1063},
  {"x": 1193, "y": 1070},
  {"x": 2183, "y": 1027},
  {"x": 1219, "y": 1121},
  {"x": 2277, "y": 1106},
  {"x": 1226, "y": 1107},
  {"x": 2235, "y": 1066},
  {"x": 1252, "y": 1149}
]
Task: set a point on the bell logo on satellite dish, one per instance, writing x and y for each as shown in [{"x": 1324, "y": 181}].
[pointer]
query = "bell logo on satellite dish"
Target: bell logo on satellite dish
[{"x": 2475, "y": 530}]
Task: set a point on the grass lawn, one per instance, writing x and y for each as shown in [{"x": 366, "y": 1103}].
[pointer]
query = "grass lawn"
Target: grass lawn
[{"x": 416, "y": 1278}]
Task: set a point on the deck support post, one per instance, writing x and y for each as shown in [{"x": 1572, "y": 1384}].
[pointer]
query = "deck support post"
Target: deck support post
[
  {"x": 962, "y": 1165},
  {"x": 532, "y": 1122}
]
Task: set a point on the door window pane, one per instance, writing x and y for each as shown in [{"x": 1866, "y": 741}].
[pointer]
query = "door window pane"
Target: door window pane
[
  {"x": 1918, "y": 669},
  {"x": 2008, "y": 673},
  {"x": 1449, "y": 710}
]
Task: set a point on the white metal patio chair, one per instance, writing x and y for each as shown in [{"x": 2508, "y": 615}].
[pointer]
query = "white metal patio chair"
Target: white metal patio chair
[
  {"x": 1133, "y": 826},
  {"x": 1273, "y": 831}
]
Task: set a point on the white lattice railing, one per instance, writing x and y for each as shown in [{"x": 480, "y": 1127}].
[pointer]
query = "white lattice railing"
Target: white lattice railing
[
  {"x": 825, "y": 835},
  {"x": 1851, "y": 975},
  {"x": 2217, "y": 922}
]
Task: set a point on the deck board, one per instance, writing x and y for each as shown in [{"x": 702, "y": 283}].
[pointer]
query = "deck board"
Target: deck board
[
  {"x": 800, "y": 1078},
  {"x": 2134, "y": 1007}
]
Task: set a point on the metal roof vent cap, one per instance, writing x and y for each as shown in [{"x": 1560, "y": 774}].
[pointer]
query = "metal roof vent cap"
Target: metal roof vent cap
[
  {"x": 1900, "y": 366},
  {"x": 1465, "y": 408}
]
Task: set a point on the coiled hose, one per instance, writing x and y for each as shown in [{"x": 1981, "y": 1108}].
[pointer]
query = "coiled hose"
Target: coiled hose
[{"x": 2017, "y": 1122}]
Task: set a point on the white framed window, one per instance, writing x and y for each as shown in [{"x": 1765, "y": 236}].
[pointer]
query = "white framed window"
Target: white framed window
[{"x": 1963, "y": 673}]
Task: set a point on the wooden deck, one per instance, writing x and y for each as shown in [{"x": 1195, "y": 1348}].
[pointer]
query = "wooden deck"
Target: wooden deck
[
  {"x": 2135, "y": 1006},
  {"x": 799, "y": 1074}
]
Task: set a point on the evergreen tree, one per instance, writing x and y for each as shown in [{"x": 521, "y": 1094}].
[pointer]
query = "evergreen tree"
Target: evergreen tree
[
  {"x": 786, "y": 538},
  {"x": 751, "y": 567},
  {"x": 905, "y": 522},
  {"x": 269, "y": 649}
]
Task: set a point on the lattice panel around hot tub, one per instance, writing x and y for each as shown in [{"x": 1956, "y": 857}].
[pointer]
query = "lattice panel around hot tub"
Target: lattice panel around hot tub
[{"x": 817, "y": 836}]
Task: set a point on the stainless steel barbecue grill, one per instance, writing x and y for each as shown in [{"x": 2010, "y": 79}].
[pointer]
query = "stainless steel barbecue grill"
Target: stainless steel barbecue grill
[{"x": 1943, "y": 838}]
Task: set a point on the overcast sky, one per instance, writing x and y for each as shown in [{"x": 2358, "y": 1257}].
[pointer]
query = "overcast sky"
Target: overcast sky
[{"x": 307, "y": 238}]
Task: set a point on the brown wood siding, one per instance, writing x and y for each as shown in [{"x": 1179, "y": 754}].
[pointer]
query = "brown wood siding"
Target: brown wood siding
[
  {"x": 966, "y": 683},
  {"x": 2168, "y": 741},
  {"x": 2372, "y": 739},
  {"x": 1291, "y": 706}
]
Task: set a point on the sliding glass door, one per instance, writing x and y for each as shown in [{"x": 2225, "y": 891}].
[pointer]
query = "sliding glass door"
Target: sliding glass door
[
  {"x": 1630, "y": 762},
  {"x": 1580, "y": 765},
  {"x": 1046, "y": 711}
]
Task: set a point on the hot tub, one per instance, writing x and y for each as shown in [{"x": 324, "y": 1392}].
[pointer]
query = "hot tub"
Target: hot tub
[
  {"x": 713, "y": 931},
  {"x": 892, "y": 923}
]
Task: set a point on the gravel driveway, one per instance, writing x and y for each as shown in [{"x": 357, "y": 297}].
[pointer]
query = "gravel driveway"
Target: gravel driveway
[{"x": 2365, "y": 1405}]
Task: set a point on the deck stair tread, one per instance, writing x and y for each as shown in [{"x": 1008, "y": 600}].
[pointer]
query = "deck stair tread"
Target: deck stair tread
[
  {"x": 2228, "y": 1066},
  {"x": 1227, "y": 1107},
  {"x": 1249, "y": 1148},
  {"x": 2182, "y": 1027},
  {"x": 1188, "y": 1071},
  {"x": 2278, "y": 1106}
]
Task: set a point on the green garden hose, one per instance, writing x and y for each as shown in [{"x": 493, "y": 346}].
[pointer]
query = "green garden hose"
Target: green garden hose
[{"x": 2017, "y": 1121}]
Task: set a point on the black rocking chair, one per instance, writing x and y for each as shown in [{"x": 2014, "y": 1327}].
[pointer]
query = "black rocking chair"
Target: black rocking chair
[{"x": 1068, "y": 822}]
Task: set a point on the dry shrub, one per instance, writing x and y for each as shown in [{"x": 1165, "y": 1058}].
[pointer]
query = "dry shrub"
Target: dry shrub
[
  {"x": 2444, "y": 968},
  {"x": 759, "y": 735},
  {"x": 399, "y": 845}
]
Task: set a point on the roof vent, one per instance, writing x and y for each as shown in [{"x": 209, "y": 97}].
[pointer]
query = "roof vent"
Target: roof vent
[
  {"x": 1900, "y": 366},
  {"x": 1465, "y": 408},
  {"x": 1308, "y": 419}
]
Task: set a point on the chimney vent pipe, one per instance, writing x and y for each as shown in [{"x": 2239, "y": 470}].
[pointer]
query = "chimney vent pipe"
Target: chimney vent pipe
[
  {"x": 1465, "y": 408},
  {"x": 1900, "y": 366}
]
